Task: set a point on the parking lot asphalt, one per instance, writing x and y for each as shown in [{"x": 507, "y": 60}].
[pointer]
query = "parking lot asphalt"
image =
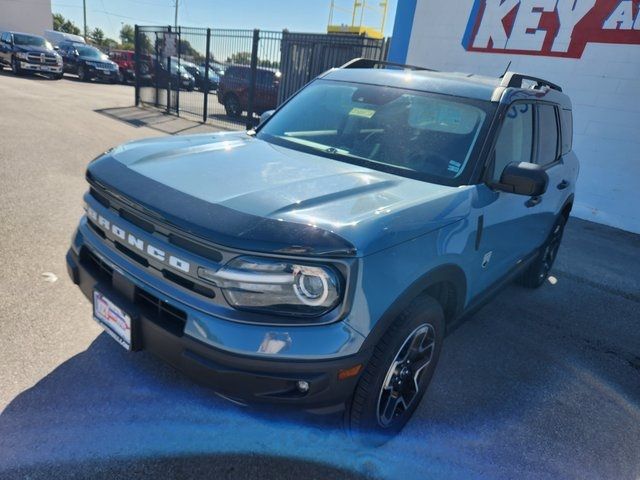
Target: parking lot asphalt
[{"x": 538, "y": 384}]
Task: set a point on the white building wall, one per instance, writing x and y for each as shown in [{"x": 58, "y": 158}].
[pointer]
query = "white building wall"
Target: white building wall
[
  {"x": 29, "y": 16},
  {"x": 604, "y": 85}
]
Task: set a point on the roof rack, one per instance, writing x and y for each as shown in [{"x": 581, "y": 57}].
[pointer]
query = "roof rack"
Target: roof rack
[
  {"x": 370, "y": 63},
  {"x": 515, "y": 80}
]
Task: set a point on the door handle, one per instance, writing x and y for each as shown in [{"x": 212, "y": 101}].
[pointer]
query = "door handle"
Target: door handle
[
  {"x": 533, "y": 201},
  {"x": 563, "y": 184}
]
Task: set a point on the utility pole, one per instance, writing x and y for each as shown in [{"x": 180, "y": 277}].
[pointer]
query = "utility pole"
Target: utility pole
[
  {"x": 175, "y": 23},
  {"x": 84, "y": 11}
]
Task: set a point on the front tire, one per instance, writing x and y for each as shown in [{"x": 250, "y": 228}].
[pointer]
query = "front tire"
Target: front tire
[
  {"x": 15, "y": 67},
  {"x": 536, "y": 273},
  {"x": 398, "y": 374}
]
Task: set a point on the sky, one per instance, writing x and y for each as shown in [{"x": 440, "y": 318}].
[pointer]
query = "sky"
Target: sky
[{"x": 295, "y": 15}]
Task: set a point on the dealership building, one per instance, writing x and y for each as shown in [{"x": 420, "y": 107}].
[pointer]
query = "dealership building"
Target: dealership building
[
  {"x": 591, "y": 48},
  {"x": 29, "y": 16}
]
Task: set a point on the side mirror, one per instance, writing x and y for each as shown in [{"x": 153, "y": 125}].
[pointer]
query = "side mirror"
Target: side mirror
[
  {"x": 56, "y": 48},
  {"x": 265, "y": 116},
  {"x": 523, "y": 178}
]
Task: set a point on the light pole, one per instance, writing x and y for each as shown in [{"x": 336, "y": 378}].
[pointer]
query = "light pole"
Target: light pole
[
  {"x": 84, "y": 12},
  {"x": 175, "y": 23}
]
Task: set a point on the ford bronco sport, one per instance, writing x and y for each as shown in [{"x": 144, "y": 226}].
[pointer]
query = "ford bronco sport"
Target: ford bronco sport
[{"x": 319, "y": 260}]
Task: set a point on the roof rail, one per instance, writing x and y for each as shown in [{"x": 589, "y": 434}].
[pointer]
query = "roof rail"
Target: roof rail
[
  {"x": 370, "y": 63},
  {"x": 515, "y": 80}
]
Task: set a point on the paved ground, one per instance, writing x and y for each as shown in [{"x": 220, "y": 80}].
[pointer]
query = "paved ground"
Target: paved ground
[{"x": 542, "y": 384}]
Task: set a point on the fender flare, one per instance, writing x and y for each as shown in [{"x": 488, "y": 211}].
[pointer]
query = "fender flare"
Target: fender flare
[{"x": 449, "y": 273}]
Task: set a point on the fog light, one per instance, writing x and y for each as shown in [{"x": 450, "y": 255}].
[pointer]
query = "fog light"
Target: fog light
[{"x": 303, "y": 386}]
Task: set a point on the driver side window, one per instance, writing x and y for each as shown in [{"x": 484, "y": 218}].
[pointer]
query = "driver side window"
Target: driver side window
[{"x": 515, "y": 142}]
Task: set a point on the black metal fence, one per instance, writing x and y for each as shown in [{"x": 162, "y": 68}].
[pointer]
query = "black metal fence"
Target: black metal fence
[{"x": 229, "y": 77}]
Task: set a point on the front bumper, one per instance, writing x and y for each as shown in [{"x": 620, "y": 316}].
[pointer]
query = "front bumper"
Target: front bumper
[
  {"x": 100, "y": 74},
  {"x": 166, "y": 328},
  {"x": 39, "y": 67}
]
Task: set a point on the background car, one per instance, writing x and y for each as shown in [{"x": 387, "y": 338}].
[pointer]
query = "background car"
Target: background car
[
  {"x": 56, "y": 37},
  {"x": 211, "y": 81},
  {"x": 233, "y": 91},
  {"x": 126, "y": 63},
  {"x": 23, "y": 52},
  {"x": 178, "y": 76},
  {"x": 88, "y": 62}
]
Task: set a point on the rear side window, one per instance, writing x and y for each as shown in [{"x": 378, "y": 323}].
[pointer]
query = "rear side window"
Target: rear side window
[
  {"x": 547, "y": 135},
  {"x": 515, "y": 142},
  {"x": 265, "y": 78},
  {"x": 566, "y": 120}
]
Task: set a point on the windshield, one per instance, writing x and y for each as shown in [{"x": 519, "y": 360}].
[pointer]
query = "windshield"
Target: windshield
[
  {"x": 91, "y": 53},
  {"x": 406, "y": 132},
  {"x": 30, "y": 41}
]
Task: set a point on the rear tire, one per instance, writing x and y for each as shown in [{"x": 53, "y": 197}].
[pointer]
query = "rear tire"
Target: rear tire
[
  {"x": 398, "y": 374},
  {"x": 536, "y": 273}
]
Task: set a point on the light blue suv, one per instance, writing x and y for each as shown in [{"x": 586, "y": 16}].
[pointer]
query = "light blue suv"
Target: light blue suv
[{"x": 319, "y": 260}]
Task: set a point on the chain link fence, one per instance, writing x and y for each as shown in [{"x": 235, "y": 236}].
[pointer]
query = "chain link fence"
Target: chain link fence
[{"x": 230, "y": 77}]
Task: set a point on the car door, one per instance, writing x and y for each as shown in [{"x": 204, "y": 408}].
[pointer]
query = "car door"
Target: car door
[
  {"x": 5, "y": 48},
  {"x": 548, "y": 156},
  {"x": 266, "y": 91},
  {"x": 509, "y": 227}
]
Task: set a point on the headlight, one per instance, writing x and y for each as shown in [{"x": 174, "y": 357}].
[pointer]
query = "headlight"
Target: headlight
[
  {"x": 58, "y": 59},
  {"x": 277, "y": 286},
  {"x": 22, "y": 55}
]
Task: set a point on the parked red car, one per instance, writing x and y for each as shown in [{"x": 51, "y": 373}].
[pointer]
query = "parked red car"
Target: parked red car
[
  {"x": 233, "y": 91},
  {"x": 126, "y": 60}
]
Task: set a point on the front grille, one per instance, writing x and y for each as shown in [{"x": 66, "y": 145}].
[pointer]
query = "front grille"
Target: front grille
[
  {"x": 99, "y": 268},
  {"x": 151, "y": 225},
  {"x": 105, "y": 66},
  {"x": 47, "y": 59},
  {"x": 166, "y": 316},
  {"x": 132, "y": 255}
]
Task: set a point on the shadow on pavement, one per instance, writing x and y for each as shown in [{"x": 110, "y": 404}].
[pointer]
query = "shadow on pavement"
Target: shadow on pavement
[
  {"x": 155, "y": 119},
  {"x": 27, "y": 76},
  {"x": 198, "y": 467}
]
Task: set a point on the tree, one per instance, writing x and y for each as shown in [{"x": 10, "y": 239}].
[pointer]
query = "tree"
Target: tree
[
  {"x": 61, "y": 24},
  {"x": 110, "y": 44},
  {"x": 242, "y": 58},
  {"x": 97, "y": 35},
  {"x": 187, "y": 50},
  {"x": 127, "y": 35}
]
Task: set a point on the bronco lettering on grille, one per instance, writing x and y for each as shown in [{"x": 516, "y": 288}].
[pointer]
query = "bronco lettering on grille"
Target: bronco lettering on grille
[{"x": 138, "y": 244}]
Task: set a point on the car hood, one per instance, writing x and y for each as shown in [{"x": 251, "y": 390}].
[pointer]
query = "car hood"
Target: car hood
[
  {"x": 33, "y": 48},
  {"x": 226, "y": 176}
]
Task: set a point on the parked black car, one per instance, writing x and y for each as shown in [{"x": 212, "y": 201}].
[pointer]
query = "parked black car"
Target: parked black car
[
  {"x": 198, "y": 72},
  {"x": 88, "y": 62},
  {"x": 178, "y": 77},
  {"x": 23, "y": 52}
]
